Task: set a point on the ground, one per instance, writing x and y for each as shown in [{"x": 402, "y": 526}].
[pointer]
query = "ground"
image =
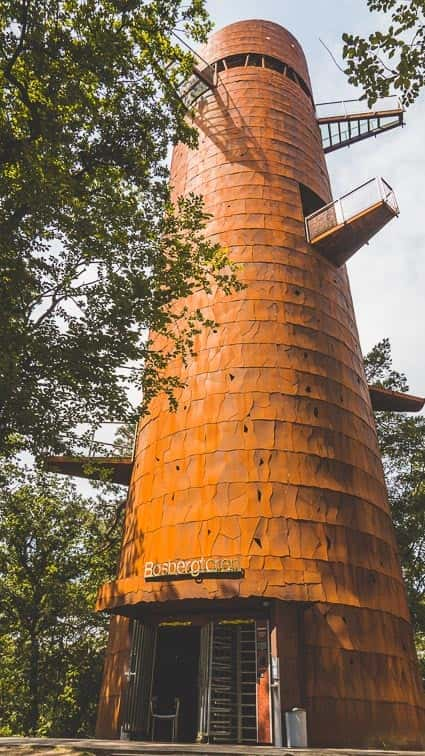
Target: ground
[{"x": 30, "y": 750}]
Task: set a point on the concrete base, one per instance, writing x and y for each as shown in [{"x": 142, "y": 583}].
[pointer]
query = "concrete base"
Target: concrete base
[{"x": 23, "y": 746}]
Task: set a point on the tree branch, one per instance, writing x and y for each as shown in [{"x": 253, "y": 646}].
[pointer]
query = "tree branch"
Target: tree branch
[{"x": 20, "y": 46}]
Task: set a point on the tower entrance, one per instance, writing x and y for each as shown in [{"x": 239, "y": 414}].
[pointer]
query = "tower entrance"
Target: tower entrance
[
  {"x": 202, "y": 681},
  {"x": 175, "y": 678}
]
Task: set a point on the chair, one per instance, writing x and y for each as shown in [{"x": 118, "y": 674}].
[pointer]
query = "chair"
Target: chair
[{"x": 172, "y": 717}]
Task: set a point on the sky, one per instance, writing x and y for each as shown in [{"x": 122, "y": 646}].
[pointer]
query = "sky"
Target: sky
[{"x": 387, "y": 276}]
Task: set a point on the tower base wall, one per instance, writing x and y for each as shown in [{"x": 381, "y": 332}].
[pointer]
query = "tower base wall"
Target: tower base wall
[
  {"x": 354, "y": 695},
  {"x": 112, "y": 693},
  {"x": 359, "y": 678}
]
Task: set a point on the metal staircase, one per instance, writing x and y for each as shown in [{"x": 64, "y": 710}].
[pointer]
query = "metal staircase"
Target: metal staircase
[
  {"x": 348, "y": 121},
  {"x": 233, "y": 694}
]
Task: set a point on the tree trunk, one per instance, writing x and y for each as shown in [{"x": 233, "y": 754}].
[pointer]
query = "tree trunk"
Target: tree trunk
[{"x": 33, "y": 684}]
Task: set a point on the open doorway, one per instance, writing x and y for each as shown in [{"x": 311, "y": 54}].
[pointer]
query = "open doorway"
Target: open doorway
[
  {"x": 176, "y": 676},
  {"x": 310, "y": 200}
]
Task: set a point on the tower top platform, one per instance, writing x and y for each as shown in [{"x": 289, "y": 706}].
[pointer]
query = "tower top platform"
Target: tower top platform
[{"x": 257, "y": 36}]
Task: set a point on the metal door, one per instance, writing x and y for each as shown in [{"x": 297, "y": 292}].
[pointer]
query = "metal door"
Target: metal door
[
  {"x": 136, "y": 714},
  {"x": 233, "y": 683},
  {"x": 262, "y": 640},
  {"x": 204, "y": 684}
]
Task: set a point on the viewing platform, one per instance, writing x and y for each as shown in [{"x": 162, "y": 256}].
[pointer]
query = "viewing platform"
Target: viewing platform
[
  {"x": 108, "y": 469},
  {"x": 346, "y": 122},
  {"x": 99, "y": 456},
  {"x": 202, "y": 78},
  {"x": 342, "y": 227},
  {"x": 394, "y": 401}
]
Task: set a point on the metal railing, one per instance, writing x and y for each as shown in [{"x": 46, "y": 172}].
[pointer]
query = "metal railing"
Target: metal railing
[
  {"x": 345, "y": 122},
  {"x": 344, "y": 209},
  {"x": 358, "y": 108},
  {"x": 202, "y": 79},
  {"x": 197, "y": 85},
  {"x": 105, "y": 441}
]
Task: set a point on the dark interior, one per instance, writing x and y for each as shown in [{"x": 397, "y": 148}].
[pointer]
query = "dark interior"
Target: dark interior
[
  {"x": 176, "y": 676},
  {"x": 310, "y": 200}
]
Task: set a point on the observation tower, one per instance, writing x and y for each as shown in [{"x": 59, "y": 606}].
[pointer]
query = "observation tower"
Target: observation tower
[{"x": 259, "y": 569}]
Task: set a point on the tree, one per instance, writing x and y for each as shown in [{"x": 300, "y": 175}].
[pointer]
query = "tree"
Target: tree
[
  {"x": 393, "y": 59},
  {"x": 54, "y": 553},
  {"x": 93, "y": 253},
  {"x": 402, "y": 442}
]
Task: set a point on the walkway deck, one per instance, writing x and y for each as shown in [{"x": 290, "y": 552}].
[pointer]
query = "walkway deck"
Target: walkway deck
[{"x": 24, "y": 746}]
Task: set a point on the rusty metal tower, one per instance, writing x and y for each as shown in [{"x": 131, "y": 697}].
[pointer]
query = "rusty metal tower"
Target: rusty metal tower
[{"x": 257, "y": 514}]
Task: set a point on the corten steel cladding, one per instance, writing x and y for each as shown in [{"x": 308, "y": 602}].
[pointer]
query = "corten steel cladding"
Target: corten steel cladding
[{"x": 272, "y": 455}]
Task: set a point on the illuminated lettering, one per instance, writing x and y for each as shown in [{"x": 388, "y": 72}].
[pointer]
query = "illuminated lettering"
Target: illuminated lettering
[{"x": 148, "y": 569}]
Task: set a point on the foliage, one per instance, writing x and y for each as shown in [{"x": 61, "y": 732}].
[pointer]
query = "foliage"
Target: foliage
[
  {"x": 93, "y": 253},
  {"x": 54, "y": 552},
  {"x": 393, "y": 59},
  {"x": 124, "y": 439},
  {"x": 402, "y": 443}
]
